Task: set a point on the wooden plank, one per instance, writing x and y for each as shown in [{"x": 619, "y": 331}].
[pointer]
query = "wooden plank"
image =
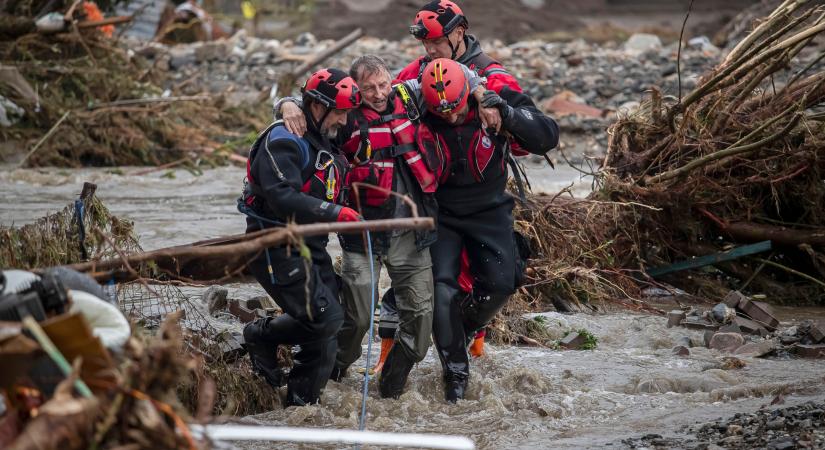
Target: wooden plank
[{"x": 714, "y": 258}]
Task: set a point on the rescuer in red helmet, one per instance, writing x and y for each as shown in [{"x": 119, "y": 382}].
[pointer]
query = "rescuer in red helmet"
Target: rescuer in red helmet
[
  {"x": 474, "y": 207},
  {"x": 291, "y": 178}
]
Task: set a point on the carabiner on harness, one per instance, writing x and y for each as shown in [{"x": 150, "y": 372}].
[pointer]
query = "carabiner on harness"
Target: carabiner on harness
[{"x": 321, "y": 166}]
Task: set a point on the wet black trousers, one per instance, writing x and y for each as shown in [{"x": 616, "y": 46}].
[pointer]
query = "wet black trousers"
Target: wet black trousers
[
  {"x": 488, "y": 237},
  {"x": 311, "y": 319}
]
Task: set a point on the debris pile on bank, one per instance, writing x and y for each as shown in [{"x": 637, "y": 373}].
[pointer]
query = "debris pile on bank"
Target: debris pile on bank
[
  {"x": 123, "y": 396},
  {"x": 82, "y": 230},
  {"x": 737, "y": 160},
  {"x": 746, "y": 327},
  {"x": 77, "y": 98}
]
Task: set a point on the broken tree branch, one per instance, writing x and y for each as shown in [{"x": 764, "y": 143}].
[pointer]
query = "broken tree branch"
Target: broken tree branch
[
  {"x": 43, "y": 139},
  {"x": 140, "y": 101},
  {"x": 730, "y": 151},
  {"x": 237, "y": 247},
  {"x": 288, "y": 80}
]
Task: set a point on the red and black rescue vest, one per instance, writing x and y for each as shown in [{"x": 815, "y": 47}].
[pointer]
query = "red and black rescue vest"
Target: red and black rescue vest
[
  {"x": 323, "y": 173},
  {"x": 381, "y": 142}
]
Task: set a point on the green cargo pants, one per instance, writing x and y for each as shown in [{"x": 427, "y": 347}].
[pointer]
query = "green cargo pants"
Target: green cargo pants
[{"x": 412, "y": 279}]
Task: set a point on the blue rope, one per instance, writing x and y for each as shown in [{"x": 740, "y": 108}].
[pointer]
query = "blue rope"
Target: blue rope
[
  {"x": 81, "y": 227},
  {"x": 112, "y": 291},
  {"x": 363, "y": 419}
]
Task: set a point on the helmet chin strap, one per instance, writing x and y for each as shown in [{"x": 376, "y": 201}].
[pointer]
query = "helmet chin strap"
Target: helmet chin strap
[
  {"x": 317, "y": 123},
  {"x": 453, "y": 49}
]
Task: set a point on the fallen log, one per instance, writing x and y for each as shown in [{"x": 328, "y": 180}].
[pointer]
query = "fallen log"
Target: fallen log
[
  {"x": 225, "y": 257},
  {"x": 748, "y": 231}
]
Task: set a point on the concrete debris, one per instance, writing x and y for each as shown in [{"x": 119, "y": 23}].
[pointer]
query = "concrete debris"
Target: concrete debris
[
  {"x": 817, "y": 333},
  {"x": 246, "y": 315},
  {"x": 726, "y": 331},
  {"x": 749, "y": 326},
  {"x": 734, "y": 298},
  {"x": 573, "y": 341},
  {"x": 675, "y": 318},
  {"x": 231, "y": 346},
  {"x": 810, "y": 351},
  {"x": 761, "y": 313},
  {"x": 215, "y": 299}
]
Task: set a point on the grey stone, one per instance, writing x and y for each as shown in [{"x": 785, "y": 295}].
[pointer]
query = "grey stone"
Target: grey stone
[
  {"x": 675, "y": 318},
  {"x": 756, "y": 349},
  {"x": 306, "y": 39},
  {"x": 573, "y": 341},
  {"x": 722, "y": 313},
  {"x": 726, "y": 342},
  {"x": 817, "y": 333},
  {"x": 707, "y": 336},
  {"x": 10, "y": 113},
  {"x": 642, "y": 42},
  {"x": 681, "y": 350},
  {"x": 181, "y": 56}
]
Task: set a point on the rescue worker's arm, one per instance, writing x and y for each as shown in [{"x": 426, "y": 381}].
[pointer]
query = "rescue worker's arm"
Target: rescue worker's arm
[
  {"x": 532, "y": 130},
  {"x": 410, "y": 72},
  {"x": 490, "y": 117},
  {"x": 499, "y": 78},
  {"x": 277, "y": 170},
  {"x": 289, "y": 110}
]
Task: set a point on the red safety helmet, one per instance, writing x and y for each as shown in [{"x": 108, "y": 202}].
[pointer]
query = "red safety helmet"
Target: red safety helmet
[
  {"x": 436, "y": 19},
  {"x": 332, "y": 88},
  {"x": 444, "y": 86}
]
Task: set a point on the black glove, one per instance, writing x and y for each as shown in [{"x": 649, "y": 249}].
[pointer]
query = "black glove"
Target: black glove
[{"x": 492, "y": 100}]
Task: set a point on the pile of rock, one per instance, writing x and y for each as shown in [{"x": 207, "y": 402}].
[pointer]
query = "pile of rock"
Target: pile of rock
[
  {"x": 746, "y": 327},
  {"x": 594, "y": 81},
  {"x": 801, "y": 426},
  {"x": 583, "y": 85}
]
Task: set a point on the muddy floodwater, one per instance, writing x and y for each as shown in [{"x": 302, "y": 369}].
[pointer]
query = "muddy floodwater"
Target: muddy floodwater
[{"x": 519, "y": 397}]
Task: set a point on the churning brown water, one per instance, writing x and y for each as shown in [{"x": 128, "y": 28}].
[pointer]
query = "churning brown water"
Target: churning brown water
[{"x": 519, "y": 397}]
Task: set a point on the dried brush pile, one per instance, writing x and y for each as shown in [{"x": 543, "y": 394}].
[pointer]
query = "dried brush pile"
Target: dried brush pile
[
  {"x": 99, "y": 105},
  {"x": 738, "y": 160},
  {"x": 81, "y": 231}
]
